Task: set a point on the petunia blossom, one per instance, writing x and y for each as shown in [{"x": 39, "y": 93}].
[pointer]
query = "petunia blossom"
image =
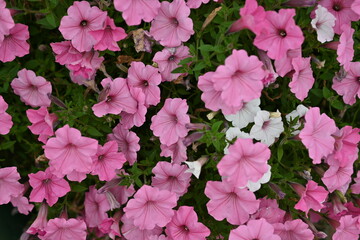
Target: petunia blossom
[
  {"x": 128, "y": 120},
  {"x": 293, "y": 230},
  {"x": 284, "y": 65},
  {"x": 22, "y": 204},
  {"x": 33, "y": 90},
  {"x": 132, "y": 232},
  {"x": 86, "y": 67},
  {"x": 316, "y": 134},
  {"x": 195, "y": 166},
  {"x": 185, "y": 226},
  {"x": 299, "y": 113},
  {"x": 151, "y": 207},
  {"x": 61, "y": 228},
  {"x": 65, "y": 53},
  {"x": 5, "y": 118},
  {"x": 176, "y": 151},
  {"x": 9, "y": 184},
  {"x": 6, "y": 21},
  {"x": 346, "y": 142},
  {"x": 254, "y": 186},
  {"x": 230, "y": 202},
  {"x": 254, "y": 229},
  {"x": 110, "y": 226},
  {"x": 172, "y": 25},
  {"x": 69, "y": 151},
  {"x": 323, "y": 23},
  {"x": 270, "y": 211},
  {"x": 345, "y": 49},
  {"x": 246, "y": 114},
  {"x": 42, "y": 123},
  {"x": 337, "y": 175},
  {"x": 348, "y": 228},
  {"x": 96, "y": 206},
  {"x": 302, "y": 79},
  {"x": 196, "y": 3},
  {"x": 39, "y": 224},
  {"x": 355, "y": 188}
]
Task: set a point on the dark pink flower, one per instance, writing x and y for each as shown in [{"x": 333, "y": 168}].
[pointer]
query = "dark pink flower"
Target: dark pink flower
[
  {"x": 81, "y": 20},
  {"x": 60, "y": 229},
  {"x": 172, "y": 25},
  {"x": 66, "y": 53},
  {"x": 147, "y": 78},
  {"x": 39, "y": 224},
  {"x": 338, "y": 174},
  {"x": 245, "y": 161},
  {"x": 303, "y": 79},
  {"x": 280, "y": 35},
  {"x": 345, "y": 49},
  {"x": 168, "y": 60},
  {"x": 171, "y": 177},
  {"x": 33, "y": 90},
  {"x": 176, "y": 151},
  {"x": 254, "y": 229},
  {"x": 151, "y": 207},
  {"x": 9, "y": 184},
  {"x": 284, "y": 65},
  {"x": 348, "y": 228},
  {"x": 128, "y": 120},
  {"x": 132, "y": 232},
  {"x": 6, "y": 21},
  {"x": 14, "y": 43},
  {"x": 293, "y": 230},
  {"x": 108, "y": 37},
  {"x": 5, "y": 118},
  {"x": 136, "y": 10},
  {"x": 355, "y": 188},
  {"x": 346, "y": 145},
  {"x": 47, "y": 186},
  {"x": 107, "y": 160},
  {"x": 69, "y": 151},
  {"x": 230, "y": 202},
  {"x": 169, "y": 123},
  {"x": 87, "y": 66},
  {"x": 128, "y": 142},
  {"x": 96, "y": 206},
  {"x": 110, "y": 226},
  {"x": 316, "y": 134},
  {"x": 185, "y": 226},
  {"x": 270, "y": 211},
  {"x": 42, "y": 123}
]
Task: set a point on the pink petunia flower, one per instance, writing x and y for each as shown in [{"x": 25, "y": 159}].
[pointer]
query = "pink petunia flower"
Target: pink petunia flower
[
  {"x": 69, "y": 151},
  {"x": 284, "y": 65},
  {"x": 151, "y": 207},
  {"x": 338, "y": 174},
  {"x": 128, "y": 120},
  {"x": 6, "y": 21},
  {"x": 110, "y": 226},
  {"x": 9, "y": 184},
  {"x": 172, "y": 25},
  {"x": 14, "y": 44},
  {"x": 355, "y": 6},
  {"x": 245, "y": 161},
  {"x": 107, "y": 160},
  {"x": 81, "y": 20},
  {"x": 5, "y": 118},
  {"x": 128, "y": 142},
  {"x": 270, "y": 211},
  {"x": 121, "y": 193},
  {"x": 323, "y": 23},
  {"x": 230, "y": 202},
  {"x": 42, "y": 123},
  {"x": 136, "y": 10},
  {"x": 47, "y": 186},
  {"x": 195, "y": 3},
  {"x": 316, "y": 134},
  {"x": 280, "y": 35},
  {"x": 39, "y": 224},
  {"x": 22, "y": 204},
  {"x": 303, "y": 79},
  {"x": 132, "y": 232},
  {"x": 254, "y": 229},
  {"x": 60, "y": 228},
  {"x": 87, "y": 66},
  {"x": 185, "y": 226},
  {"x": 171, "y": 177},
  {"x": 293, "y": 230},
  {"x": 33, "y": 90},
  {"x": 345, "y": 49},
  {"x": 147, "y": 78},
  {"x": 176, "y": 151},
  {"x": 355, "y": 188},
  {"x": 96, "y": 206},
  {"x": 115, "y": 97},
  {"x": 346, "y": 142},
  {"x": 240, "y": 79},
  {"x": 348, "y": 228},
  {"x": 169, "y": 123},
  {"x": 168, "y": 60},
  {"x": 311, "y": 197},
  {"x": 66, "y": 53},
  {"x": 108, "y": 37}
]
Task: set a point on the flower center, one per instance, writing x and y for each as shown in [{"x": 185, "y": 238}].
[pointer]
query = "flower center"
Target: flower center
[
  {"x": 145, "y": 83},
  {"x": 101, "y": 157},
  {"x": 358, "y": 79},
  {"x": 265, "y": 124},
  {"x": 108, "y": 99},
  {"x": 282, "y": 33},
  {"x": 185, "y": 228},
  {"x": 83, "y": 23},
  {"x": 46, "y": 181},
  {"x": 171, "y": 58},
  {"x": 336, "y": 7},
  {"x": 174, "y": 22}
]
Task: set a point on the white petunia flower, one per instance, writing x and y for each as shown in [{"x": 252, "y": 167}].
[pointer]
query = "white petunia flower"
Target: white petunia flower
[
  {"x": 254, "y": 186},
  {"x": 323, "y": 23},
  {"x": 245, "y": 115},
  {"x": 299, "y": 112},
  {"x": 266, "y": 127},
  {"x": 233, "y": 133},
  {"x": 195, "y": 167}
]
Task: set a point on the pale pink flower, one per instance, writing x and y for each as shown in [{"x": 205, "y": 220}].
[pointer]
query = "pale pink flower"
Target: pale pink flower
[
  {"x": 74, "y": 175},
  {"x": 108, "y": 37},
  {"x": 6, "y": 21},
  {"x": 128, "y": 120},
  {"x": 47, "y": 186},
  {"x": 346, "y": 145},
  {"x": 115, "y": 98},
  {"x": 147, "y": 78},
  {"x": 230, "y": 202},
  {"x": 323, "y": 23},
  {"x": 96, "y": 206},
  {"x": 342, "y": 11},
  {"x": 311, "y": 197},
  {"x": 61, "y": 229},
  {"x": 128, "y": 142},
  {"x": 345, "y": 49},
  {"x": 284, "y": 65},
  {"x": 254, "y": 229},
  {"x": 172, "y": 25},
  {"x": 107, "y": 160},
  {"x": 280, "y": 35},
  {"x": 69, "y": 151},
  {"x": 293, "y": 230},
  {"x": 316, "y": 134},
  {"x": 349, "y": 87},
  {"x": 176, "y": 151},
  {"x": 337, "y": 175},
  {"x": 355, "y": 188},
  {"x": 81, "y": 20},
  {"x": 22, "y": 204},
  {"x": 270, "y": 211},
  {"x": 302, "y": 79},
  {"x": 168, "y": 60},
  {"x": 42, "y": 123},
  {"x": 14, "y": 43},
  {"x": 196, "y": 3},
  {"x": 171, "y": 177},
  {"x": 245, "y": 161},
  {"x": 134, "y": 11},
  {"x": 66, "y": 53},
  {"x": 348, "y": 228},
  {"x": 240, "y": 79},
  {"x": 151, "y": 207},
  {"x": 5, "y": 118},
  {"x": 132, "y": 232},
  {"x": 110, "y": 226},
  {"x": 356, "y": 7},
  {"x": 169, "y": 123},
  {"x": 87, "y": 66},
  {"x": 33, "y": 90},
  {"x": 39, "y": 224},
  {"x": 9, "y": 184},
  {"x": 184, "y": 225}
]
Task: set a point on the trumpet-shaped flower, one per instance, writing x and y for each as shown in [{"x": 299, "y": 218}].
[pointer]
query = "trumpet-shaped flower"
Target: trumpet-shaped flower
[
  {"x": 39, "y": 224},
  {"x": 337, "y": 175},
  {"x": 345, "y": 49},
  {"x": 128, "y": 120},
  {"x": 196, "y": 3},
  {"x": 60, "y": 228},
  {"x": 66, "y": 53},
  {"x": 270, "y": 211},
  {"x": 254, "y": 229},
  {"x": 5, "y": 118},
  {"x": 14, "y": 43},
  {"x": 323, "y": 23},
  {"x": 293, "y": 230},
  {"x": 346, "y": 150},
  {"x": 348, "y": 228},
  {"x": 132, "y": 232},
  {"x": 9, "y": 184},
  {"x": 6, "y": 21},
  {"x": 42, "y": 123},
  {"x": 96, "y": 206},
  {"x": 176, "y": 151},
  {"x": 246, "y": 114},
  {"x": 302, "y": 80}
]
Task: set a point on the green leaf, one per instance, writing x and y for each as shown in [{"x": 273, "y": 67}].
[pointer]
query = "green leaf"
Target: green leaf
[
  {"x": 215, "y": 127},
  {"x": 337, "y": 104},
  {"x": 78, "y": 188},
  {"x": 327, "y": 93},
  {"x": 94, "y": 132},
  {"x": 280, "y": 153}
]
